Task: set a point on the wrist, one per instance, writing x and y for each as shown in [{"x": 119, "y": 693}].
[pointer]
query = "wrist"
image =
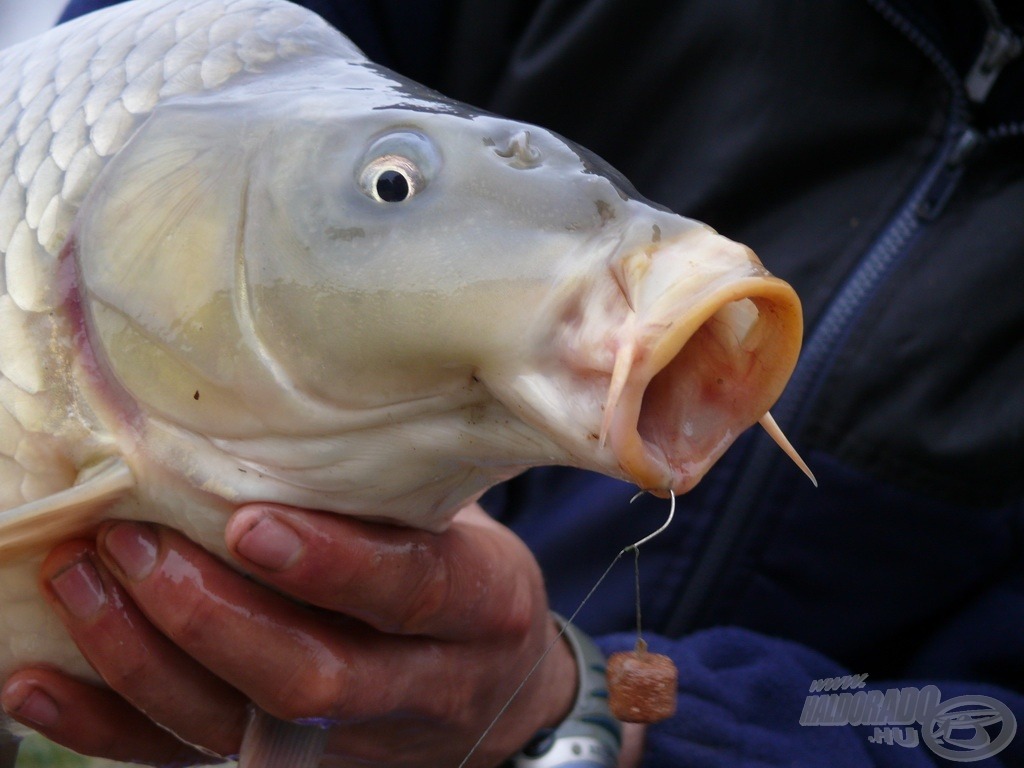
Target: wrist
[
  {"x": 588, "y": 737},
  {"x": 560, "y": 676}
]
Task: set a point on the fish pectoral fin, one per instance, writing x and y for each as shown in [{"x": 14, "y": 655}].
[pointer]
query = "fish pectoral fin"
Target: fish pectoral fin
[
  {"x": 39, "y": 524},
  {"x": 273, "y": 743}
]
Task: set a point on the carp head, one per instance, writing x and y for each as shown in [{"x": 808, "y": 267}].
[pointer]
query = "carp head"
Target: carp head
[{"x": 384, "y": 302}]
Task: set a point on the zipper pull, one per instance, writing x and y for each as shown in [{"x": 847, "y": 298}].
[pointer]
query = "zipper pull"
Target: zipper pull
[
  {"x": 1001, "y": 46},
  {"x": 945, "y": 180}
]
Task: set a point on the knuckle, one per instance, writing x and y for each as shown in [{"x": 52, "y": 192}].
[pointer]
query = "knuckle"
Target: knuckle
[
  {"x": 191, "y": 618},
  {"x": 127, "y": 673},
  {"x": 519, "y": 615},
  {"x": 424, "y": 602},
  {"x": 456, "y": 704},
  {"x": 312, "y": 691},
  {"x": 511, "y": 611},
  {"x": 450, "y": 588}
]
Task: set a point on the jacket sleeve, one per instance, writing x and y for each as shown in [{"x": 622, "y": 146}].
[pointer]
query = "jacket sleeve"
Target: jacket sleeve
[
  {"x": 742, "y": 697},
  {"x": 77, "y": 8}
]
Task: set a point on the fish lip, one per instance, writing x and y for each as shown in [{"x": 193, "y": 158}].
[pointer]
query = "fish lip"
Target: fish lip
[{"x": 647, "y": 427}]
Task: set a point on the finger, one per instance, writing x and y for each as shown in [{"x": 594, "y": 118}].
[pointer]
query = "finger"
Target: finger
[
  {"x": 91, "y": 720},
  {"x": 134, "y": 658},
  {"x": 474, "y": 581},
  {"x": 293, "y": 661}
]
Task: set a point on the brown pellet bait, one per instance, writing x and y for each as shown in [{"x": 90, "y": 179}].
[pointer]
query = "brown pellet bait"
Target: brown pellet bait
[{"x": 642, "y": 685}]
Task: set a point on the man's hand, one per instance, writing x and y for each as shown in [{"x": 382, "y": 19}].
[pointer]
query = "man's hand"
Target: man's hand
[{"x": 409, "y": 642}]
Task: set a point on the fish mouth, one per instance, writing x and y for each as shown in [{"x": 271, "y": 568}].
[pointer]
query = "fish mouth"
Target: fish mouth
[{"x": 693, "y": 372}]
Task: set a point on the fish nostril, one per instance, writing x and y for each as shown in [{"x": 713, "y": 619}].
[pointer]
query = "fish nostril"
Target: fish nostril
[{"x": 520, "y": 152}]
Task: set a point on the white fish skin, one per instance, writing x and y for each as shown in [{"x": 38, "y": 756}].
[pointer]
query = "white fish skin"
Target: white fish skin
[
  {"x": 202, "y": 303},
  {"x": 69, "y": 101}
]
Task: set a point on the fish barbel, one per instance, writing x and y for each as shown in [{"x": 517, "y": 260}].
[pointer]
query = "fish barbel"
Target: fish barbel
[{"x": 241, "y": 262}]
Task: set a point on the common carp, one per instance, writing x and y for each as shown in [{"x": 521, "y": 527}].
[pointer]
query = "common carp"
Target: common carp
[{"x": 241, "y": 262}]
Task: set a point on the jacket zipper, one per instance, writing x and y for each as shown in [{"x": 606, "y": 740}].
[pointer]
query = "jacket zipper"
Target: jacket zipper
[
  {"x": 924, "y": 204},
  {"x": 1001, "y": 46}
]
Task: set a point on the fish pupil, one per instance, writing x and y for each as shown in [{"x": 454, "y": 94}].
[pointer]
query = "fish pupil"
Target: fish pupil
[{"x": 392, "y": 187}]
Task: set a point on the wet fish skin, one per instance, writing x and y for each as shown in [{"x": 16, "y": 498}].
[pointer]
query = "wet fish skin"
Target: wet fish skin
[
  {"x": 68, "y": 102},
  {"x": 203, "y": 303}
]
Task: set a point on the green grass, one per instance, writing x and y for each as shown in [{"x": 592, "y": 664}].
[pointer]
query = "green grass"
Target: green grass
[{"x": 37, "y": 752}]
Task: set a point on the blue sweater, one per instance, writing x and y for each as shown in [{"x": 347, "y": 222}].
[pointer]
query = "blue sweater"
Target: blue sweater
[{"x": 844, "y": 146}]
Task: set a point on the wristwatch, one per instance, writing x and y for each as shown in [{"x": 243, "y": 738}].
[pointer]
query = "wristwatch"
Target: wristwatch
[{"x": 589, "y": 737}]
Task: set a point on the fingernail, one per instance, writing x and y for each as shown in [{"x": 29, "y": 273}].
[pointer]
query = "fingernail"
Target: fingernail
[
  {"x": 80, "y": 589},
  {"x": 266, "y": 541},
  {"x": 133, "y": 547},
  {"x": 30, "y": 704}
]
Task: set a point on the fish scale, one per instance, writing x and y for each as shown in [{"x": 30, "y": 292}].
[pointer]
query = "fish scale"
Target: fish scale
[{"x": 65, "y": 107}]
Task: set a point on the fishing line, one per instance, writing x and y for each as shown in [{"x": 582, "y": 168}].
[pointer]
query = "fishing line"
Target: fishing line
[
  {"x": 636, "y": 582},
  {"x": 636, "y": 562},
  {"x": 634, "y": 547}
]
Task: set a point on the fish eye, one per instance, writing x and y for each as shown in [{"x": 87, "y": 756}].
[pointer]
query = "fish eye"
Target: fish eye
[
  {"x": 398, "y": 165},
  {"x": 391, "y": 179},
  {"x": 392, "y": 186}
]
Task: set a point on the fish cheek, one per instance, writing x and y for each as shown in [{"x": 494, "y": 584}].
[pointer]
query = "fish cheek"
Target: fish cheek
[
  {"x": 158, "y": 240},
  {"x": 357, "y": 348},
  {"x": 346, "y": 293}
]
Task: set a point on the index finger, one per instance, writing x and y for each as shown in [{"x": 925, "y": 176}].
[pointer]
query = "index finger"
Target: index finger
[{"x": 473, "y": 581}]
